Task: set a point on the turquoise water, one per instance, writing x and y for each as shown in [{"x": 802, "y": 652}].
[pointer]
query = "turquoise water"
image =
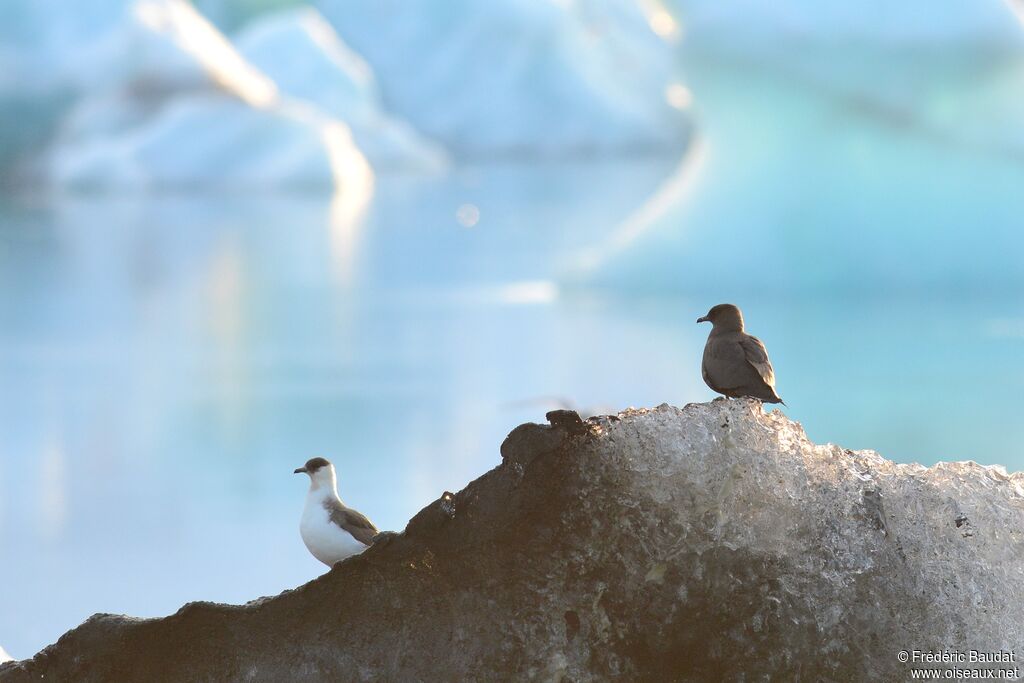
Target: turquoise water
[{"x": 165, "y": 363}]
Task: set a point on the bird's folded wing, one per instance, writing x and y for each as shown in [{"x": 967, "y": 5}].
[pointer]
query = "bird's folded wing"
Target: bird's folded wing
[
  {"x": 757, "y": 356},
  {"x": 355, "y": 523}
]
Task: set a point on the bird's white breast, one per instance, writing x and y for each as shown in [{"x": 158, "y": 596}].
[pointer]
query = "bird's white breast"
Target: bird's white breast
[{"x": 328, "y": 542}]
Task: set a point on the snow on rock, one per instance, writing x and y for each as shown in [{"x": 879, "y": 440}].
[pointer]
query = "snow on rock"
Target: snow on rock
[
  {"x": 713, "y": 542},
  {"x": 509, "y": 77},
  {"x": 4, "y": 657}
]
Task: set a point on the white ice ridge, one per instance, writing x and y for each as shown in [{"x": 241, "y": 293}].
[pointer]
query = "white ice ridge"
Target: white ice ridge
[
  {"x": 131, "y": 93},
  {"x": 307, "y": 61},
  {"x": 245, "y": 131},
  {"x": 544, "y": 78}
]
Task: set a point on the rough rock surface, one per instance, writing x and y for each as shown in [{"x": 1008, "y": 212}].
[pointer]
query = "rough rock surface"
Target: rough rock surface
[{"x": 713, "y": 542}]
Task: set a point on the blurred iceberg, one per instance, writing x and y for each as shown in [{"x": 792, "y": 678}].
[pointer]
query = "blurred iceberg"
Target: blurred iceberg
[
  {"x": 894, "y": 60},
  {"x": 237, "y": 128},
  {"x": 50, "y": 45},
  {"x": 204, "y": 142},
  {"x": 871, "y": 147},
  {"x": 300, "y": 52},
  {"x": 150, "y": 94},
  {"x": 520, "y": 77},
  {"x": 911, "y": 23},
  {"x": 54, "y": 53}
]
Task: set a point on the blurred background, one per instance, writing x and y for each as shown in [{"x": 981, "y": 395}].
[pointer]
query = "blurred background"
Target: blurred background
[{"x": 236, "y": 234}]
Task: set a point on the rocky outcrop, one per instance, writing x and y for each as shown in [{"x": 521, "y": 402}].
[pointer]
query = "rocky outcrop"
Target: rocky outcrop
[{"x": 712, "y": 542}]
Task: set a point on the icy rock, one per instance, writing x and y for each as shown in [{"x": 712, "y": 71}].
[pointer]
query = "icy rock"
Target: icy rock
[{"x": 713, "y": 542}]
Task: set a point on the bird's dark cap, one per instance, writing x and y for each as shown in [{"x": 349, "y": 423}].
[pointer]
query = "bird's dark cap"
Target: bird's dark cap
[
  {"x": 723, "y": 313},
  {"x": 312, "y": 465}
]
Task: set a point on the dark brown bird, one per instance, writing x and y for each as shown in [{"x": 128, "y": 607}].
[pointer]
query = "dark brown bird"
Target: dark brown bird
[{"x": 736, "y": 363}]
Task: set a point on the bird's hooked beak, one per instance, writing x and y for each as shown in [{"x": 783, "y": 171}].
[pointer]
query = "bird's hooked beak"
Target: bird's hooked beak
[
  {"x": 300, "y": 470},
  {"x": 703, "y": 319}
]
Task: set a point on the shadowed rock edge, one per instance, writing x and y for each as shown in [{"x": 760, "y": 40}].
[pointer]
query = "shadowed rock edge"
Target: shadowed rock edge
[{"x": 703, "y": 543}]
